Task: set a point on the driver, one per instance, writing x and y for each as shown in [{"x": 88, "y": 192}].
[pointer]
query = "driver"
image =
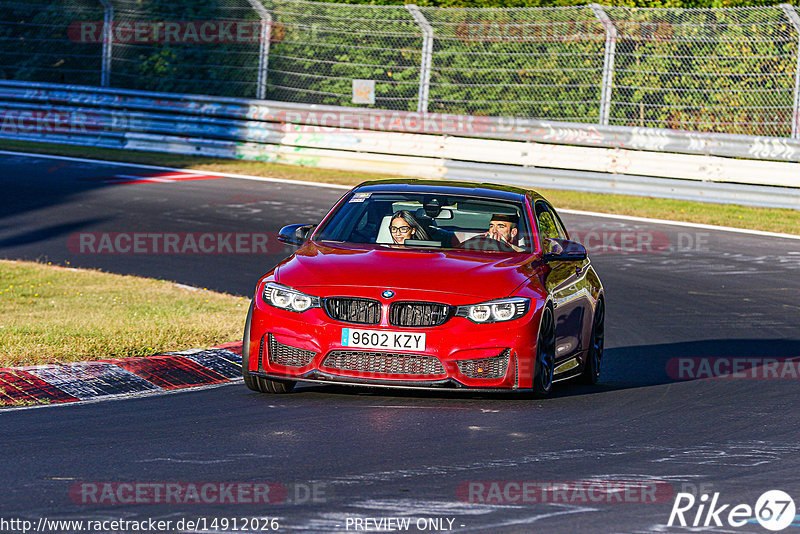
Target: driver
[{"x": 503, "y": 227}]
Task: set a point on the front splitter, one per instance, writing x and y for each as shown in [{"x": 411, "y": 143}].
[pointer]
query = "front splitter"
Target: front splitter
[{"x": 318, "y": 377}]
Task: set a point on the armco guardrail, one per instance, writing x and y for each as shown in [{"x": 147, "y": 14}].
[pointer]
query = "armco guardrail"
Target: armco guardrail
[{"x": 641, "y": 161}]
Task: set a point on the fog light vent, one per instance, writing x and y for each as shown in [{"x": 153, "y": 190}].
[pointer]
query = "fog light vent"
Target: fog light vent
[
  {"x": 494, "y": 367},
  {"x": 281, "y": 354}
]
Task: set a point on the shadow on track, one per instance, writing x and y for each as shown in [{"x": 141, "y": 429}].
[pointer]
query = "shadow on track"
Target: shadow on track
[
  {"x": 647, "y": 365},
  {"x": 624, "y": 368},
  {"x": 53, "y": 231}
]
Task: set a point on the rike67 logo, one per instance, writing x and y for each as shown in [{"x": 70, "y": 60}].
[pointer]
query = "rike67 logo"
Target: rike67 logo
[{"x": 774, "y": 510}]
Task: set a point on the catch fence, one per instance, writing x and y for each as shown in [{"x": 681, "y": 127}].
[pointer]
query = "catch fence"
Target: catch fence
[{"x": 734, "y": 70}]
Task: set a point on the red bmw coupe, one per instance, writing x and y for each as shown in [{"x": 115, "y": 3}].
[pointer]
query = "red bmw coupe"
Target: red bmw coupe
[{"x": 428, "y": 284}]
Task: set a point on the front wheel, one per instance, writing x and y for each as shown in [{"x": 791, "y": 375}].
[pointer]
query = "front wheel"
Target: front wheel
[
  {"x": 594, "y": 358},
  {"x": 545, "y": 355},
  {"x": 258, "y": 383}
]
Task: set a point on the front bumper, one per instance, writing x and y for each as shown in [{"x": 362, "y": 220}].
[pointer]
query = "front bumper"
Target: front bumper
[{"x": 458, "y": 350}]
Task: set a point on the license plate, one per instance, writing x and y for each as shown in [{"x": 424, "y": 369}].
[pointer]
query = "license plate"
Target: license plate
[{"x": 372, "y": 339}]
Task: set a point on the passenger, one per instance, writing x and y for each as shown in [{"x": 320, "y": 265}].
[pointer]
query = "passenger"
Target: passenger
[
  {"x": 405, "y": 226},
  {"x": 503, "y": 227}
]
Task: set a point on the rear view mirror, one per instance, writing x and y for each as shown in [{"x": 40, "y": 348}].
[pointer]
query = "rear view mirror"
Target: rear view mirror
[{"x": 445, "y": 215}]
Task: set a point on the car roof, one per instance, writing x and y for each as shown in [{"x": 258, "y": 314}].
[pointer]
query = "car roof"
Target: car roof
[{"x": 448, "y": 187}]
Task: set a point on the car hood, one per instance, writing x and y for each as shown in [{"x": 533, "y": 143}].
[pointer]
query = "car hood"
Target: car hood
[{"x": 478, "y": 274}]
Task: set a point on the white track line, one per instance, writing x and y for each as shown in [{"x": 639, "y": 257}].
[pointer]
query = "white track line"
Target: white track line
[
  {"x": 338, "y": 186},
  {"x": 681, "y": 223}
]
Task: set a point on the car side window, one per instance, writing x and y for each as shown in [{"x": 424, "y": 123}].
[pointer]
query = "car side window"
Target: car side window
[
  {"x": 559, "y": 223},
  {"x": 547, "y": 224}
]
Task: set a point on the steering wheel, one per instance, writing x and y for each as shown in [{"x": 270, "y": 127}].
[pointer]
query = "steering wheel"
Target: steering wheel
[{"x": 486, "y": 243}]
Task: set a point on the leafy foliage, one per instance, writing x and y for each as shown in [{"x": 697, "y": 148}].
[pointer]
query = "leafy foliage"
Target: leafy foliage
[{"x": 683, "y": 66}]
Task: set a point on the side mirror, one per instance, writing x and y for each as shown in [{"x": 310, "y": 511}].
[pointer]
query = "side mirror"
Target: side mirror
[
  {"x": 295, "y": 234},
  {"x": 563, "y": 250}
]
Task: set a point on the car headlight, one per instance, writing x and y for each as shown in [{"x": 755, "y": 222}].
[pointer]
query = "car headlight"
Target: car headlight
[
  {"x": 495, "y": 311},
  {"x": 286, "y": 298}
]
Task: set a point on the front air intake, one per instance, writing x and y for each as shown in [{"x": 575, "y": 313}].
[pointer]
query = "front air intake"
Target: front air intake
[
  {"x": 391, "y": 363},
  {"x": 494, "y": 367},
  {"x": 288, "y": 356}
]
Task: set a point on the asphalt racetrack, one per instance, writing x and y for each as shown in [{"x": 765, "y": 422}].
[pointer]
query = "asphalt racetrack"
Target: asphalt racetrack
[{"x": 446, "y": 462}]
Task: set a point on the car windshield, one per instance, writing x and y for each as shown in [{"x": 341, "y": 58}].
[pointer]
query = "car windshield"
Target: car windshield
[{"x": 427, "y": 220}]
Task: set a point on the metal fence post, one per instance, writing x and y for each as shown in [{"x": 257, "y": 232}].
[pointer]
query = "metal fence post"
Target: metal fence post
[
  {"x": 263, "y": 49},
  {"x": 427, "y": 57},
  {"x": 794, "y": 18},
  {"x": 108, "y": 38},
  {"x": 608, "y": 61}
]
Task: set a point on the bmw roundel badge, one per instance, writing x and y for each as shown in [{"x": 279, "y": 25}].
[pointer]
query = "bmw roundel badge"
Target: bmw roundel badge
[{"x": 387, "y": 294}]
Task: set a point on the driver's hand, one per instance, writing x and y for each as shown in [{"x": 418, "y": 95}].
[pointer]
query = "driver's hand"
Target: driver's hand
[{"x": 496, "y": 236}]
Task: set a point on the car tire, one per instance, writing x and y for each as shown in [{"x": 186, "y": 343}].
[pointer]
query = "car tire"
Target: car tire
[
  {"x": 258, "y": 383},
  {"x": 594, "y": 357},
  {"x": 249, "y": 380},
  {"x": 545, "y": 355}
]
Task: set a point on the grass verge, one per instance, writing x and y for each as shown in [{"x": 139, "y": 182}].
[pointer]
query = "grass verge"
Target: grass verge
[
  {"x": 54, "y": 314},
  {"x": 767, "y": 219}
]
